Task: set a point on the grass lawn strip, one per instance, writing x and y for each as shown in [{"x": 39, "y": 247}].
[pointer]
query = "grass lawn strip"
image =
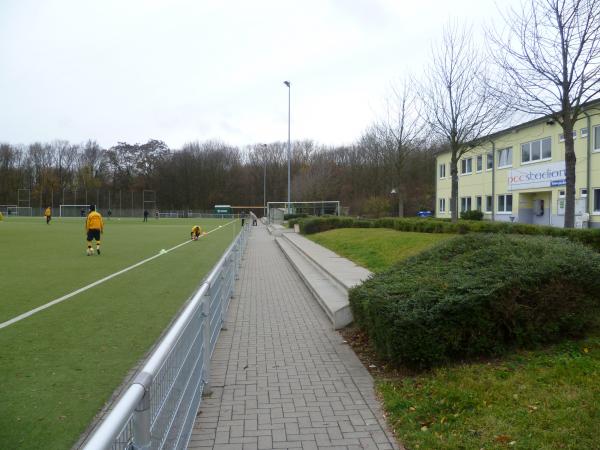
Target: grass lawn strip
[
  {"x": 536, "y": 400},
  {"x": 61, "y": 365},
  {"x": 545, "y": 399},
  {"x": 376, "y": 248}
]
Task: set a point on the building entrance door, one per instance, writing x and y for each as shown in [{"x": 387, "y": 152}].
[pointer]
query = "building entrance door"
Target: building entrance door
[{"x": 542, "y": 208}]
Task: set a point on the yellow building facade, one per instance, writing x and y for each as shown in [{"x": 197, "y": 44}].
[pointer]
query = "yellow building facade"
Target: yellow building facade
[{"x": 518, "y": 174}]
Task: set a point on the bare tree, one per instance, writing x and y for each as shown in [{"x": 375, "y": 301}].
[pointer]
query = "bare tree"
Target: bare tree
[
  {"x": 457, "y": 100},
  {"x": 399, "y": 134},
  {"x": 549, "y": 53}
]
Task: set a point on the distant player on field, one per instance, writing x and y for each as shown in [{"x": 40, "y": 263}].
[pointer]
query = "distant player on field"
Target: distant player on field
[
  {"x": 48, "y": 214},
  {"x": 196, "y": 232},
  {"x": 94, "y": 226}
]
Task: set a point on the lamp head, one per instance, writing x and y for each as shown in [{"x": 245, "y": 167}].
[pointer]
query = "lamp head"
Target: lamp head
[{"x": 287, "y": 83}]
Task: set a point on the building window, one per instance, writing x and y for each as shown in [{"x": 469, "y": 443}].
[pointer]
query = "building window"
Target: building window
[
  {"x": 596, "y": 200},
  {"x": 561, "y": 136},
  {"x": 583, "y": 192},
  {"x": 490, "y": 160},
  {"x": 597, "y": 137},
  {"x": 505, "y": 157},
  {"x": 465, "y": 204},
  {"x": 584, "y": 132},
  {"x": 442, "y": 205},
  {"x": 561, "y": 194},
  {"x": 505, "y": 203},
  {"x": 442, "y": 170},
  {"x": 479, "y": 166},
  {"x": 489, "y": 202},
  {"x": 466, "y": 166},
  {"x": 539, "y": 150},
  {"x": 478, "y": 204}
]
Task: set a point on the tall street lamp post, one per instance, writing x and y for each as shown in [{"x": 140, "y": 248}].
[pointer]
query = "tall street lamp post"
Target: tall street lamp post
[
  {"x": 264, "y": 155},
  {"x": 289, "y": 196},
  {"x": 394, "y": 195}
]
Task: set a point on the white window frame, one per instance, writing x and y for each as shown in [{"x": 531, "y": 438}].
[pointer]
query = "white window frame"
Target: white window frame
[
  {"x": 562, "y": 193},
  {"x": 442, "y": 171},
  {"x": 596, "y": 202},
  {"x": 442, "y": 205},
  {"x": 491, "y": 203},
  {"x": 479, "y": 163},
  {"x": 478, "y": 203},
  {"x": 541, "y": 158},
  {"x": 465, "y": 164},
  {"x": 582, "y": 194},
  {"x": 584, "y": 132},
  {"x": 596, "y": 147},
  {"x": 509, "y": 150},
  {"x": 466, "y": 202},
  {"x": 503, "y": 210},
  {"x": 489, "y": 157}
]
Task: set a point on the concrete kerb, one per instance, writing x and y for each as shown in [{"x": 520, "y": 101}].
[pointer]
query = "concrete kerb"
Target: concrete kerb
[
  {"x": 330, "y": 295},
  {"x": 343, "y": 271},
  {"x": 324, "y": 266}
]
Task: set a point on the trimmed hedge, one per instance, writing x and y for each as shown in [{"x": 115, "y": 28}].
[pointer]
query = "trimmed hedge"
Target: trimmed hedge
[
  {"x": 590, "y": 236},
  {"x": 294, "y": 216},
  {"x": 479, "y": 294},
  {"x": 472, "y": 214}
]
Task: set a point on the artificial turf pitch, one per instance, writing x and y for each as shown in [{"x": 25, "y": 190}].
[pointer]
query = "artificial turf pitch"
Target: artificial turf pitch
[{"x": 59, "y": 366}]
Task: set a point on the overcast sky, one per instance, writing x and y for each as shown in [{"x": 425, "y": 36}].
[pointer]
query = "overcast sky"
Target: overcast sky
[{"x": 186, "y": 70}]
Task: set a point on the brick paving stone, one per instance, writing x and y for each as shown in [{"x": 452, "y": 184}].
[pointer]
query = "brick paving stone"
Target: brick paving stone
[{"x": 280, "y": 376}]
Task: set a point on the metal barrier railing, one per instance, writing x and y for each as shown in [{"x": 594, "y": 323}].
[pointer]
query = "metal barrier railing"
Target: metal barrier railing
[{"x": 158, "y": 409}]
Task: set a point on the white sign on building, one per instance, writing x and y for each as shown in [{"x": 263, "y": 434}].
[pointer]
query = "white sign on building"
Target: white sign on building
[{"x": 537, "y": 176}]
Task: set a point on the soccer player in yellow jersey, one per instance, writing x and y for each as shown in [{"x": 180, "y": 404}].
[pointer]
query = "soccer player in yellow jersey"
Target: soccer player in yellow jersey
[
  {"x": 94, "y": 226},
  {"x": 48, "y": 214},
  {"x": 196, "y": 232}
]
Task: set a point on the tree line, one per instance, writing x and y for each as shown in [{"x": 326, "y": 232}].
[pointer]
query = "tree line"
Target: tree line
[{"x": 202, "y": 174}]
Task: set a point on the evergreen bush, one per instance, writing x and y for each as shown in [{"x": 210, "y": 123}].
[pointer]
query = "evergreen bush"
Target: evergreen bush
[{"x": 479, "y": 294}]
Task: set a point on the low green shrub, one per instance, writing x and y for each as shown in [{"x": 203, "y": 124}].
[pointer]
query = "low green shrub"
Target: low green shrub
[
  {"x": 472, "y": 214},
  {"x": 479, "y": 294},
  {"x": 294, "y": 216},
  {"x": 312, "y": 225}
]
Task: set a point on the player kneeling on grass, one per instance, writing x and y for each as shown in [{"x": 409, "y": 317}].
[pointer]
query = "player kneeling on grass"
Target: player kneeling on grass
[
  {"x": 196, "y": 232},
  {"x": 94, "y": 226}
]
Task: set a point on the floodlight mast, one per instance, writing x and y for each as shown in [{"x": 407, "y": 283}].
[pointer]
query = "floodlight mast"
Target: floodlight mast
[
  {"x": 264, "y": 156},
  {"x": 289, "y": 196}
]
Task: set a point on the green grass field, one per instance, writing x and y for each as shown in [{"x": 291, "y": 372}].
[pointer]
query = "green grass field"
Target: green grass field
[
  {"x": 59, "y": 366},
  {"x": 376, "y": 248},
  {"x": 545, "y": 399}
]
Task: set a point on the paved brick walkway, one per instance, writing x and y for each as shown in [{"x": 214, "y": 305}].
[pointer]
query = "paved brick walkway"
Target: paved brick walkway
[{"x": 281, "y": 377}]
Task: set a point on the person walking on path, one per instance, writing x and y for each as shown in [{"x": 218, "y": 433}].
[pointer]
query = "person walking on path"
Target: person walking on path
[
  {"x": 48, "y": 214},
  {"x": 146, "y": 213},
  {"x": 254, "y": 219},
  {"x": 94, "y": 227}
]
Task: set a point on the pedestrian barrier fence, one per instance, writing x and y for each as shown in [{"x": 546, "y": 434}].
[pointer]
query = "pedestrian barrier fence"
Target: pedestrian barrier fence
[{"x": 157, "y": 411}]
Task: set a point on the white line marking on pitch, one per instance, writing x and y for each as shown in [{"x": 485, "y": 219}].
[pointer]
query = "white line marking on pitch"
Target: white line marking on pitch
[{"x": 96, "y": 283}]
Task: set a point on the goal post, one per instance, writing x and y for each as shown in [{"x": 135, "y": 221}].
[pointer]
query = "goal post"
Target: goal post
[
  {"x": 9, "y": 210},
  {"x": 73, "y": 210},
  {"x": 276, "y": 211},
  {"x": 149, "y": 201}
]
